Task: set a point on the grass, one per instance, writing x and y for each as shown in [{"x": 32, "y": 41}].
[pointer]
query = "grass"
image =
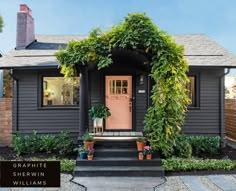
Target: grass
[{"x": 180, "y": 164}]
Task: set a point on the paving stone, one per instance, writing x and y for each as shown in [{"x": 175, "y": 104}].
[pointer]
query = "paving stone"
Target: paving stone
[
  {"x": 222, "y": 183},
  {"x": 193, "y": 183},
  {"x": 119, "y": 183}
]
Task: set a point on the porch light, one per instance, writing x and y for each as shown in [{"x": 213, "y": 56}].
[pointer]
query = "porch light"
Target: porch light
[{"x": 141, "y": 79}]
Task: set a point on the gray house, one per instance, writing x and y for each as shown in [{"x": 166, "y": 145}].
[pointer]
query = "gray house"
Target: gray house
[{"x": 44, "y": 101}]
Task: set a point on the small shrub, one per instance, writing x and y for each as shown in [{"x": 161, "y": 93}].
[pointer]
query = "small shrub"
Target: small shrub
[
  {"x": 183, "y": 149},
  {"x": 28, "y": 144},
  {"x": 180, "y": 164},
  {"x": 203, "y": 144},
  {"x": 48, "y": 143},
  {"x": 64, "y": 144}
]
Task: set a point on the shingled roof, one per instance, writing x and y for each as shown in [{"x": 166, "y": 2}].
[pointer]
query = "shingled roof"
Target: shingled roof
[{"x": 200, "y": 50}]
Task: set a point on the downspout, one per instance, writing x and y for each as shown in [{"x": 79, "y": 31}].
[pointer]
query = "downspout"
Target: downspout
[
  {"x": 15, "y": 100},
  {"x": 222, "y": 107}
]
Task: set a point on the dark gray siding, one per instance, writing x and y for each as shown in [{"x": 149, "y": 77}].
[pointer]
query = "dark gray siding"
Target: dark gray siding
[
  {"x": 33, "y": 117},
  {"x": 206, "y": 118}
]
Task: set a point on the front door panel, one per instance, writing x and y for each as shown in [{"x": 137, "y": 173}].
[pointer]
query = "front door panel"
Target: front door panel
[{"x": 119, "y": 101}]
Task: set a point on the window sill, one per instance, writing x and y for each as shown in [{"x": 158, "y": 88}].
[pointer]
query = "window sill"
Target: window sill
[{"x": 59, "y": 108}]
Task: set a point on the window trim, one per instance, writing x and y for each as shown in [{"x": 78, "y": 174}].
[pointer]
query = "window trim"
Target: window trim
[
  {"x": 40, "y": 95},
  {"x": 196, "y": 105}
]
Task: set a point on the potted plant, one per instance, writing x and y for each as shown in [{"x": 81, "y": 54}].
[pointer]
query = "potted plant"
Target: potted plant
[
  {"x": 148, "y": 152},
  {"x": 140, "y": 156},
  {"x": 140, "y": 143},
  {"x": 88, "y": 141},
  {"x": 82, "y": 152},
  {"x": 90, "y": 153},
  {"x": 98, "y": 113}
]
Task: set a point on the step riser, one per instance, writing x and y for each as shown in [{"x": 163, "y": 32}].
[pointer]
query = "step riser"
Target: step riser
[
  {"x": 115, "y": 154},
  {"x": 119, "y": 173},
  {"x": 119, "y": 163}
]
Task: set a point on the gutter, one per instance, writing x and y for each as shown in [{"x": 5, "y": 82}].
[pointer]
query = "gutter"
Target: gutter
[
  {"x": 15, "y": 101},
  {"x": 222, "y": 107}
]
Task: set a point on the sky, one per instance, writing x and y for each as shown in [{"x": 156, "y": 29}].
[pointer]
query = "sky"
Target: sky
[{"x": 215, "y": 18}]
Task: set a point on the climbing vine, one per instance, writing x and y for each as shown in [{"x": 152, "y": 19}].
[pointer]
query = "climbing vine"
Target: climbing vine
[{"x": 166, "y": 115}]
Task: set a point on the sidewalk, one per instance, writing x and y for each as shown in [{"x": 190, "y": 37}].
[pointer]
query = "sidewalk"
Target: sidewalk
[{"x": 171, "y": 183}]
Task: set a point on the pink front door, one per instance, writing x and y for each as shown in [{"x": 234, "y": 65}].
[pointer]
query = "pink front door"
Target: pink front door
[{"x": 119, "y": 101}]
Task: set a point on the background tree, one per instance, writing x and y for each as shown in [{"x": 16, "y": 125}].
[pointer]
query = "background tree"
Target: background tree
[{"x": 1, "y": 23}]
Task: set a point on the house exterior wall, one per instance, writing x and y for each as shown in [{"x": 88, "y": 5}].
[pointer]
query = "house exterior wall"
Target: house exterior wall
[
  {"x": 204, "y": 119},
  {"x": 31, "y": 116}
]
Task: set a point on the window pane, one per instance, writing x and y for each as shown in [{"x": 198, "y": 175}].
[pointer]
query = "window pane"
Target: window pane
[
  {"x": 59, "y": 91},
  {"x": 191, "y": 90},
  {"x": 112, "y": 86}
]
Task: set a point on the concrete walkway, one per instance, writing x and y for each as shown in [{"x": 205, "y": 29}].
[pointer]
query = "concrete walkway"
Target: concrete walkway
[{"x": 171, "y": 183}]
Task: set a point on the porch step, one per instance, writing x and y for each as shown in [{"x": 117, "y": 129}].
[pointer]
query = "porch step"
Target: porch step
[
  {"x": 115, "y": 143},
  {"x": 118, "y": 158},
  {"x": 118, "y": 161},
  {"x": 134, "y": 171},
  {"x": 115, "y": 152}
]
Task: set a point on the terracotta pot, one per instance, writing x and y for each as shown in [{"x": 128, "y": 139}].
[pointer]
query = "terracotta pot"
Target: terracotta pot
[
  {"x": 88, "y": 144},
  {"x": 90, "y": 157},
  {"x": 149, "y": 156},
  {"x": 140, "y": 157},
  {"x": 140, "y": 145}
]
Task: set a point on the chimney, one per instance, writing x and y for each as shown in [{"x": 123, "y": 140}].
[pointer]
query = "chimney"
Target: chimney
[{"x": 25, "y": 27}]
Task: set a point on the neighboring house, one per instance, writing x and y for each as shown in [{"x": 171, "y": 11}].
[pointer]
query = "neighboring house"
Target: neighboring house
[{"x": 44, "y": 101}]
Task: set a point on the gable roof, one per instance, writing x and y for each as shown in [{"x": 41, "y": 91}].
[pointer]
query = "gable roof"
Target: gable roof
[{"x": 200, "y": 50}]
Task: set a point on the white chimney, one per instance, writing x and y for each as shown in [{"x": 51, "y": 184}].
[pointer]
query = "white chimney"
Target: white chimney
[{"x": 25, "y": 27}]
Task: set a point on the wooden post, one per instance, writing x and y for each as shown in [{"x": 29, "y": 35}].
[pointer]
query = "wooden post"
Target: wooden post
[{"x": 83, "y": 126}]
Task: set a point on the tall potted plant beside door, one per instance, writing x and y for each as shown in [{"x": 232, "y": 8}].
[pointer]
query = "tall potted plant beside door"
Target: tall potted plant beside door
[{"x": 98, "y": 113}]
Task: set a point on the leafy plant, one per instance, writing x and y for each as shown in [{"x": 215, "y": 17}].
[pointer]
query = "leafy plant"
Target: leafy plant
[
  {"x": 47, "y": 143},
  {"x": 90, "y": 151},
  {"x": 137, "y": 33},
  {"x": 28, "y": 144},
  {"x": 147, "y": 150},
  {"x": 99, "y": 111},
  {"x": 203, "y": 144},
  {"x": 180, "y": 164},
  {"x": 140, "y": 139},
  {"x": 183, "y": 149},
  {"x": 87, "y": 137},
  {"x": 1, "y": 23}
]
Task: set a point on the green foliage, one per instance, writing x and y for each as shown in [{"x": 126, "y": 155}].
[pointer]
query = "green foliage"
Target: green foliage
[
  {"x": 183, "y": 149},
  {"x": 87, "y": 137},
  {"x": 179, "y": 164},
  {"x": 140, "y": 139},
  {"x": 66, "y": 164},
  {"x": 29, "y": 144},
  {"x": 203, "y": 144},
  {"x": 99, "y": 111},
  {"x": 1, "y": 23},
  {"x": 137, "y": 33}
]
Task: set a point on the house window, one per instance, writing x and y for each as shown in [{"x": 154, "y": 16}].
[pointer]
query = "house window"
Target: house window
[
  {"x": 58, "y": 91},
  {"x": 191, "y": 86}
]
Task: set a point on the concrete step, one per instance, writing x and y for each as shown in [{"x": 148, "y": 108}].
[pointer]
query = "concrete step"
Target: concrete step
[
  {"x": 118, "y": 161},
  {"x": 115, "y": 144},
  {"x": 115, "y": 152},
  {"x": 131, "y": 171}
]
